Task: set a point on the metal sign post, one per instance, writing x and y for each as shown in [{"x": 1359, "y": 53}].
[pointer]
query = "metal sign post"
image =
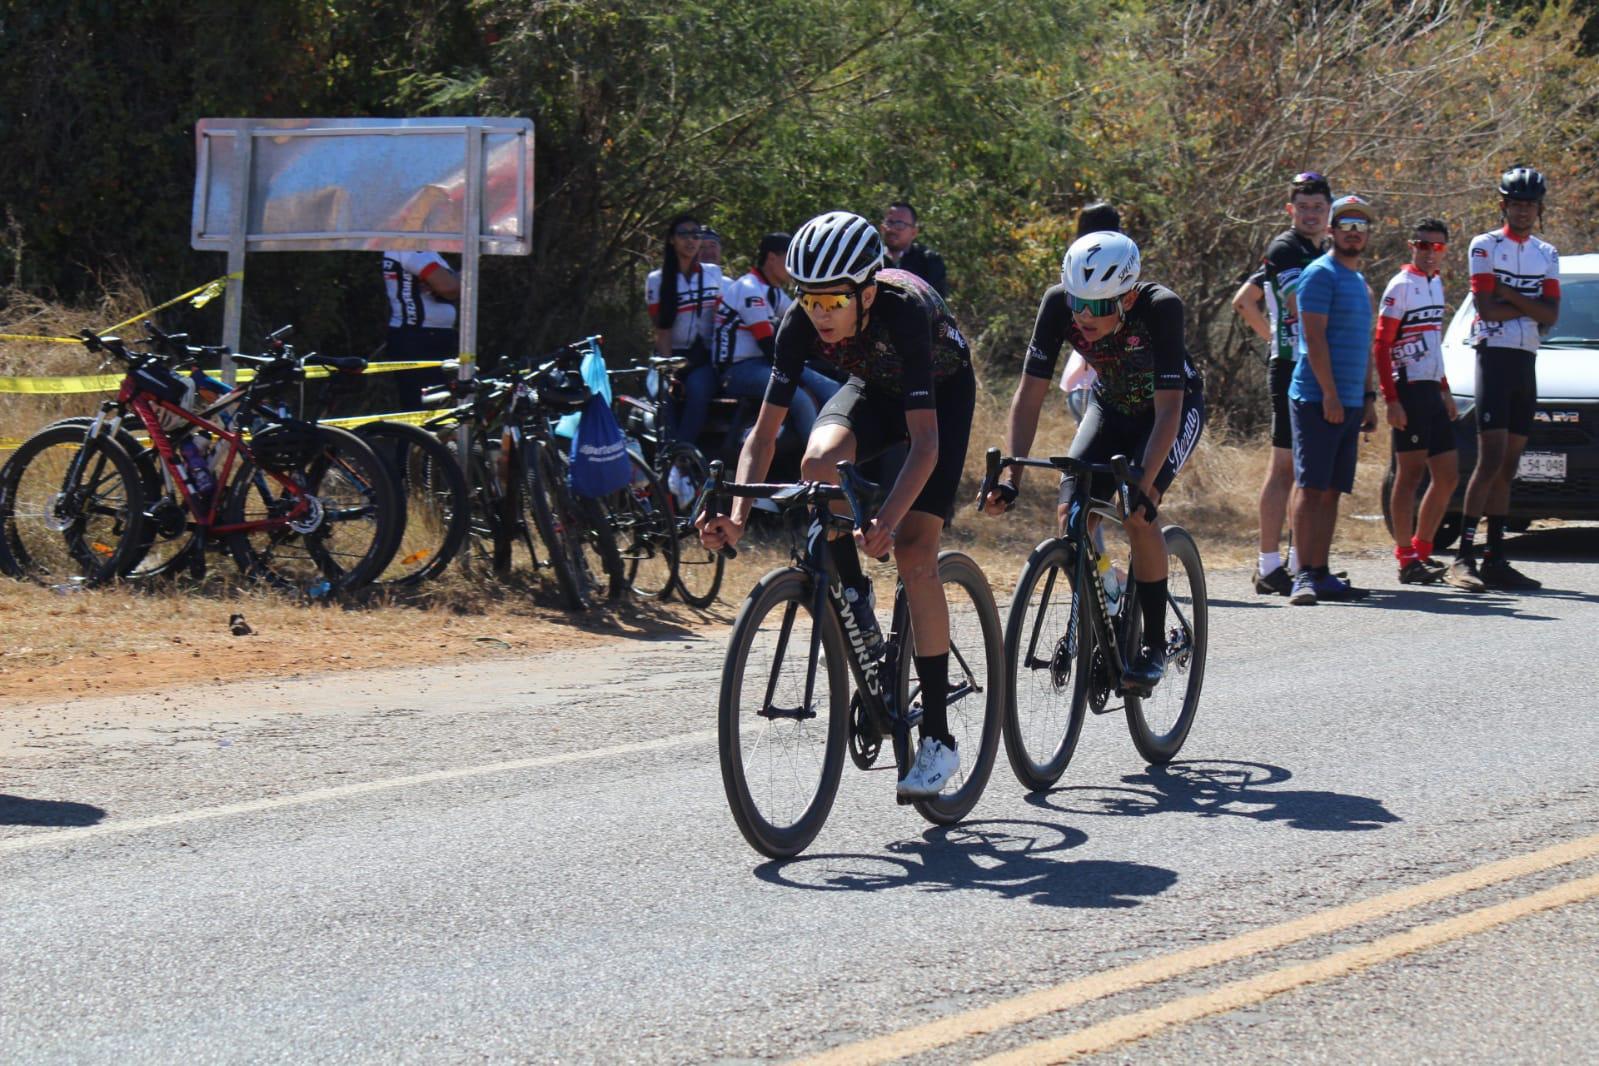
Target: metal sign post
[{"x": 364, "y": 184}]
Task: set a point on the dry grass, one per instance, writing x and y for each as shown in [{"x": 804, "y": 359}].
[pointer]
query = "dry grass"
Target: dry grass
[{"x": 69, "y": 641}]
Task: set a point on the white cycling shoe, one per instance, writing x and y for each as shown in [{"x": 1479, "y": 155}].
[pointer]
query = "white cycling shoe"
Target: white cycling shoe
[{"x": 935, "y": 764}]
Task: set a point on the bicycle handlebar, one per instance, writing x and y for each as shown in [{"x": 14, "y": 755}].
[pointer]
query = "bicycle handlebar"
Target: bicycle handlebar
[
  {"x": 1119, "y": 467},
  {"x": 851, "y": 488}
]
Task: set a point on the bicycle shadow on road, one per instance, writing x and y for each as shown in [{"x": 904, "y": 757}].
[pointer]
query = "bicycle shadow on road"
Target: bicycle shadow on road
[
  {"x": 1011, "y": 858},
  {"x": 17, "y": 810},
  {"x": 1218, "y": 788}
]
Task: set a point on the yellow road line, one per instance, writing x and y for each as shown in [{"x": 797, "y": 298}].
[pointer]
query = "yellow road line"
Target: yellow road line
[
  {"x": 1254, "y": 990},
  {"x": 1024, "y": 1008}
]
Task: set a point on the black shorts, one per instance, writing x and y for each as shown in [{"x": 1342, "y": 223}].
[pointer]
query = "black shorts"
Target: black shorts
[
  {"x": 878, "y": 422},
  {"x": 1427, "y": 425},
  {"x": 1507, "y": 389},
  {"x": 1105, "y": 434},
  {"x": 1280, "y": 373}
]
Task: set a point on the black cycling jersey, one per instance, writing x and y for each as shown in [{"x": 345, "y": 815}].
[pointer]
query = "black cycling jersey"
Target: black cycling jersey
[
  {"x": 1286, "y": 256},
  {"x": 910, "y": 341},
  {"x": 1147, "y": 353}
]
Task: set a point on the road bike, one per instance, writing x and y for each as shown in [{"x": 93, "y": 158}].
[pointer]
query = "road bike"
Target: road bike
[
  {"x": 786, "y": 715},
  {"x": 1067, "y": 640}
]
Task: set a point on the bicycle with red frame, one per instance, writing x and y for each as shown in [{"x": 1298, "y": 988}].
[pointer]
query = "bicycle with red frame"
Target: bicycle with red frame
[{"x": 302, "y": 506}]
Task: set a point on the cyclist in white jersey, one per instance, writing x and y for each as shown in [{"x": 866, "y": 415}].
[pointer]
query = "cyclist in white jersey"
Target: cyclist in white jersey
[
  {"x": 1410, "y": 370},
  {"x": 1515, "y": 284}
]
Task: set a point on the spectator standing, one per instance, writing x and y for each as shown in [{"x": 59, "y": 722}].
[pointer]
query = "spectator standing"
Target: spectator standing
[
  {"x": 1332, "y": 380},
  {"x": 1410, "y": 370},
  {"x": 682, "y": 297},
  {"x": 1515, "y": 284},
  {"x": 422, "y": 292},
  {"x": 1286, "y": 256},
  {"x": 747, "y": 318},
  {"x": 899, "y": 228}
]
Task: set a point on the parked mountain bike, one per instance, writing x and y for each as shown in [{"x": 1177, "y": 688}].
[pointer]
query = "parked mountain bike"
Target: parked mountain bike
[
  {"x": 786, "y": 716},
  {"x": 517, "y": 475},
  {"x": 301, "y": 506},
  {"x": 680, "y": 471},
  {"x": 1067, "y": 642}
]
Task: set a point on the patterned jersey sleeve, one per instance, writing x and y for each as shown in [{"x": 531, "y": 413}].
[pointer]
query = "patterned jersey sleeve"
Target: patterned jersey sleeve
[
  {"x": 1049, "y": 334},
  {"x": 1170, "y": 355},
  {"x": 796, "y": 338},
  {"x": 1551, "y": 278},
  {"x": 652, "y": 294}
]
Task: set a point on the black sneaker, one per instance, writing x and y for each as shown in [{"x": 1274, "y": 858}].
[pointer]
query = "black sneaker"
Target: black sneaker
[
  {"x": 1463, "y": 575},
  {"x": 1417, "y": 572},
  {"x": 1146, "y": 669},
  {"x": 1498, "y": 574},
  {"x": 1276, "y": 583}
]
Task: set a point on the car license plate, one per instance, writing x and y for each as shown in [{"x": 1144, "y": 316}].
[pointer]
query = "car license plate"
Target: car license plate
[{"x": 1542, "y": 466}]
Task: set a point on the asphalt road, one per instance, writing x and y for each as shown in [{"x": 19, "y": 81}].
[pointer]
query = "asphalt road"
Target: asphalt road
[{"x": 533, "y": 861}]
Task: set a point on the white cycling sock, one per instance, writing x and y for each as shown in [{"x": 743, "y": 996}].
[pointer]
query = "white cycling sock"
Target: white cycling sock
[
  {"x": 1293, "y": 560},
  {"x": 1270, "y": 561}
]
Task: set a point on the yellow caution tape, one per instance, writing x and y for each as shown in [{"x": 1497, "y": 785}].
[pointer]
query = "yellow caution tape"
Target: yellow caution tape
[
  {"x": 58, "y": 386},
  {"x": 202, "y": 294},
  {"x": 31, "y": 339}
]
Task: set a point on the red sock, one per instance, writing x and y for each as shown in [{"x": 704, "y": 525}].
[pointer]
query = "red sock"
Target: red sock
[
  {"x": 1404, "y": 553},
  {"x": 1422, "y": 548}
]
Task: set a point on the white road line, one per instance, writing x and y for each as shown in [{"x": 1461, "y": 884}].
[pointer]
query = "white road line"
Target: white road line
[{"x": 321, "y": 795}]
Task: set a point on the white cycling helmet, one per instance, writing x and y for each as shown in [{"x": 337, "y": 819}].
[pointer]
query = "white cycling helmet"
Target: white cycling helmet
[
  {"x": 835, "y": 247},
  {"x": 1100, "y": 265}
]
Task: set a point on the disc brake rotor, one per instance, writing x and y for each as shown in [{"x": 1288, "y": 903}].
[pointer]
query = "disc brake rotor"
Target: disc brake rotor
[{"x": 54, "y": 520}]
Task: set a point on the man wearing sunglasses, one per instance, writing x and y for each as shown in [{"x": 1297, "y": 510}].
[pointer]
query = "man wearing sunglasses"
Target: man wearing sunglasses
[
  {"x": 1331, "y": 399},
  {"x": 910, "y": 379},
  {"x": 1410, "y": 369},
  {"x": 1309, "y": 196},
  {"x": 1148, "y": 402},
  {"x": 1515, "y": 285}
]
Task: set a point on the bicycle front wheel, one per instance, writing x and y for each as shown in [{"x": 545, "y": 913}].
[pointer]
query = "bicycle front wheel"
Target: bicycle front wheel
[
  {"x": 976, "y": 683},
  {"x": 582, "y": 550},
  {"x": 1160, "y": 723},
  {"x": 333, "y": 532},
  {"x": 1048, "y": 659},
  {"x": 71, "y": 509},
  {"x": 781, "y": 726}
]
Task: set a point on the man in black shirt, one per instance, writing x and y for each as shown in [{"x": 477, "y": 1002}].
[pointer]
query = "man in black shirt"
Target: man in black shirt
[{"x": 900, "y": 227}]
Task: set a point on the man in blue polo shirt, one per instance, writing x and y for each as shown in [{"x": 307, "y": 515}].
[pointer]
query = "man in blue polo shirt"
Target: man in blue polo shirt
[{"x": 1332, "y": 381}]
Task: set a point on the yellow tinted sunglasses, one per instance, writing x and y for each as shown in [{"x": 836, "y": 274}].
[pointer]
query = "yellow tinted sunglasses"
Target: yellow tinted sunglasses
[{"x": 825, "y": 301}]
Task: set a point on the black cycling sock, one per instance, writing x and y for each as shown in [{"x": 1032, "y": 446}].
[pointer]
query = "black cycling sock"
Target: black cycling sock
[
  {"x": 1495, "y": 548},
  {"x": 1468, "y": 536},
  {"x": 1152, "y": 598},
  {"x": 847, "y": 561},
  {"x": 933, "y": 672}
]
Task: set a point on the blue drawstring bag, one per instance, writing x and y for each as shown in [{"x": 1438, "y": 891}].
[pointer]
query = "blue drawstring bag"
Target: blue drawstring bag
[{"x": 600, "y": 464}]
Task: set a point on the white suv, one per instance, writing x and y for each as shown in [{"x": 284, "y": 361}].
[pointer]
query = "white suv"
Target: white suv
[{"x": 1559, "y": 476}]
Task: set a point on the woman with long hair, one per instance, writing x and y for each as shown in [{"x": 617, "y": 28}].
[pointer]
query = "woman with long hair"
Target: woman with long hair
[{"x": 682, "y": 297}]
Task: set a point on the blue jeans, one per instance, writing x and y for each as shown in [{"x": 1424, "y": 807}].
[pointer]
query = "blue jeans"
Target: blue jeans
[
  {"x": 699, "y": 387},
  {"x": 749, "y": 377}
]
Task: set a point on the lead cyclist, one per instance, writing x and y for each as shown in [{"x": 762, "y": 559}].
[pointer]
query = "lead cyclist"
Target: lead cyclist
[{"x": 910, "y": 379}]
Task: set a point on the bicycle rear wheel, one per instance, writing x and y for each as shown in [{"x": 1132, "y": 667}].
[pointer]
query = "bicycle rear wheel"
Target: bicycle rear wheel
[
  {"x": 349, "y": 531},
  {"x": 976, "y": 683},
  {"x": 1048, "y": 651},
  {"x": 781, "y": 752},
  {"x": 582, "y": 551},
  {"x": 438, "y": 507},
  {"x": 699, "y": 570},
  {"x": 62, "y": 519},
  {"x": 1160, "y": 723}
]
